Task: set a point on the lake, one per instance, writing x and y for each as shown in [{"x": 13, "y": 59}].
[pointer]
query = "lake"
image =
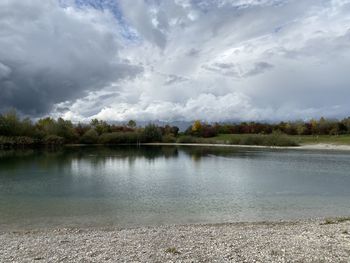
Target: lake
[{"x": 151, "y": 185}]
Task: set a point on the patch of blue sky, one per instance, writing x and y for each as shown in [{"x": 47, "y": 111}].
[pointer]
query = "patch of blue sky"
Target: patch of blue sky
[{"x": 111, "y": 5}]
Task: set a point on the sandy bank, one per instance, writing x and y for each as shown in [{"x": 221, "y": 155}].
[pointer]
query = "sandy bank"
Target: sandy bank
[
  {"x": 301, "y": 241},
  {"x": 320, "y": 146},
  {"x": 324, "y": 146}
]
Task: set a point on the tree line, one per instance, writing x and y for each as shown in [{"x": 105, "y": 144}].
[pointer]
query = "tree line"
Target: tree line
[
  {"x": 16, "y": 131},
  {"x": 315, "y": 127}
]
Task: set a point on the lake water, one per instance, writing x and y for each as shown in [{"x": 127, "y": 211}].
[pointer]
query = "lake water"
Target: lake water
[{"x": 128, "y": 186}]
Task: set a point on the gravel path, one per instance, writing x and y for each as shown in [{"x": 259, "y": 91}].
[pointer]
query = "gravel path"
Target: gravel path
[{"x": 301, "y": 241}]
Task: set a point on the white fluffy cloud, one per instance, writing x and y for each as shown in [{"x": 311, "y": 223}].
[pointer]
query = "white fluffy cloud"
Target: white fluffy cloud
[{"x": 214, "y": 60}]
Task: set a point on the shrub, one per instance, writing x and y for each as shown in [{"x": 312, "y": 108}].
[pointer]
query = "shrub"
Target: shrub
[
  {"x": 89, "y": 137},
  {"x": 168, "y": 139},
  {"x": 120, "y": 138},
  {"x": 6, "y": 142},
  {"x": 279, "y": 139},
  {"x": 234, "y": 140},
  {"x": 252, "y": 140},
  {"x": 187, "y": 139},
  {"x": 53, "y": 140},
  {"x": 23, "y": 141},
  {"x": 274, "y": 139},
  {"x": 208, "y": 131}
]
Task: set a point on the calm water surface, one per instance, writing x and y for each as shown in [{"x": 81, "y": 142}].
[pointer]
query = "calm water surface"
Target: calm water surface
[{"x": 127, "y": 186}]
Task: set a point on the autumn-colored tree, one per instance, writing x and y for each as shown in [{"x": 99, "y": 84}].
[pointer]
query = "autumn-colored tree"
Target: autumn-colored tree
[{"x": 197, "y": 126}]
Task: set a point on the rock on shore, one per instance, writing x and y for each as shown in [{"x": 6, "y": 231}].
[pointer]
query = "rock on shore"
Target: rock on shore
[{"x": 301, "y": 241}]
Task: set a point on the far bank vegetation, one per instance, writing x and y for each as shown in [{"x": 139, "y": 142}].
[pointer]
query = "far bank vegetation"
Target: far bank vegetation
[{"x": 23, "y": 132}]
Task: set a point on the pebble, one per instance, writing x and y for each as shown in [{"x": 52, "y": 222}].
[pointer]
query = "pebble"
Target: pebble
[{"x": 300, "y": 241}]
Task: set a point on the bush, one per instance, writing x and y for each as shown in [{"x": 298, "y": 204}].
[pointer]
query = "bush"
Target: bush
[
  {"x": 187, "y": 139},
  {"x": 274, "y": 139},
  {"x": 24, "y": 141},
  {"x": 9, "y": 142},
  {"x": 6, "y": 142},
  {"x": 120, "y": 138},
  {"x": 253, "y": 140},
  {"x": 168, "y": 139},
  {"x": 89, "y": 137},
  {"x": 53, "y": 140},
  {"x": 277, "y": 139},
  {"x": 208, "y": 131}
]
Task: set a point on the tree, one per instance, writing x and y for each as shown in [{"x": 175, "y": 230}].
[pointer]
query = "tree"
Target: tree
[
  {"x": 152, "y": 133},
  {"x": 80, "y": 129},
  {"x": 100, "y": 126},
  {"x": 65, "y": 129},
  {"x": 196, "y": 127},
  {"x": 10, "y": 124},
  {"x": 175, "y": 130},
  {"x": 131, "y": 124},
  {"x": 47, "y": 126}
]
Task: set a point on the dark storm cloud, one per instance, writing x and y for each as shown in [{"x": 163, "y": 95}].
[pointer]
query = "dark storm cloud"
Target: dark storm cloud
[{"x": 49, "y": 55}]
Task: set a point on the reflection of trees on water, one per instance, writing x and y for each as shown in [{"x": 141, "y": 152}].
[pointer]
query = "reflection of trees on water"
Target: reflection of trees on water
[
  {"x": 51, "y": 158},
  {"x": 59, "y": 157},
  {"x": 86, "y": 171},
  {"x": 198, "y": 152}
]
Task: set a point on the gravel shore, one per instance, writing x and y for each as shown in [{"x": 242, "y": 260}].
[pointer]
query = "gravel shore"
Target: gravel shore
[{"x": 300, "y": 241}]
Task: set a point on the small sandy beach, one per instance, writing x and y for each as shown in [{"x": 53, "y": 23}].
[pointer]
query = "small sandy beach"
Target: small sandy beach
[
  {"x": 298, "y": 241},
  {"x": 324, "y": 146}
]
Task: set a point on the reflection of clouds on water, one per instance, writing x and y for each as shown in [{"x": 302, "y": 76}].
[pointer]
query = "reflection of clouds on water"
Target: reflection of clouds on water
[{"x": 174, "y": 184}]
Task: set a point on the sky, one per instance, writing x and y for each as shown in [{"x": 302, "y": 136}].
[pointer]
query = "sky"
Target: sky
[{"x": 175, "y": 60}]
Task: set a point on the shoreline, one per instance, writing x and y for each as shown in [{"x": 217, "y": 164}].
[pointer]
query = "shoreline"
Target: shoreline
[
  {"x": 318, "y": 146},
  {"x": 314, "y": 146},
  {"x": 309, "y": 240}
]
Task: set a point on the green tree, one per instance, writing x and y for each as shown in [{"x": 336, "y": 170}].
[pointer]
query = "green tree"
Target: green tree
[
  {"x": 151, "y": 133},
  {"x": 47, "y": 126},
  {"x": 10, "y": 124},
  {"x": 65, "y": 129},
  {"x": 131, "y": 124},
  {"x": 100, "y": 126}
]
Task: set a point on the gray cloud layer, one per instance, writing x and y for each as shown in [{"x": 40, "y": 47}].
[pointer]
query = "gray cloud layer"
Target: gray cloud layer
[
  {"x": 182, "y": 60},
  {"x": 49, "y": 54}
]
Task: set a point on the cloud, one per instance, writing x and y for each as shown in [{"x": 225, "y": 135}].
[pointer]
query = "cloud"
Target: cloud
[
  {"x": 237, "y": 71},
  {"x": 176, "y": 59},
  {"x": 150, "y": 23},
  {"x": 5, "y": 71},
  {"x": 50, "y": 54},
  {"x": 205, "y": 107}
]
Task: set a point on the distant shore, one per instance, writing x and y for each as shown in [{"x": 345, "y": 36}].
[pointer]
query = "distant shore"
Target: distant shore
[
  {"x": 318, "y": 146},
  {"x": 294, "y": 241}
]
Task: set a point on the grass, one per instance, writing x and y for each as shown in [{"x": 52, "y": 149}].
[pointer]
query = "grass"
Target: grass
[
  {"x": 172, "y": 250},
  {"x": 243, "y": 139},
  {"x": 298, "y": 139},
  {"x": 330, "y": 221},
  {"x": 328, "y": 139}
]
